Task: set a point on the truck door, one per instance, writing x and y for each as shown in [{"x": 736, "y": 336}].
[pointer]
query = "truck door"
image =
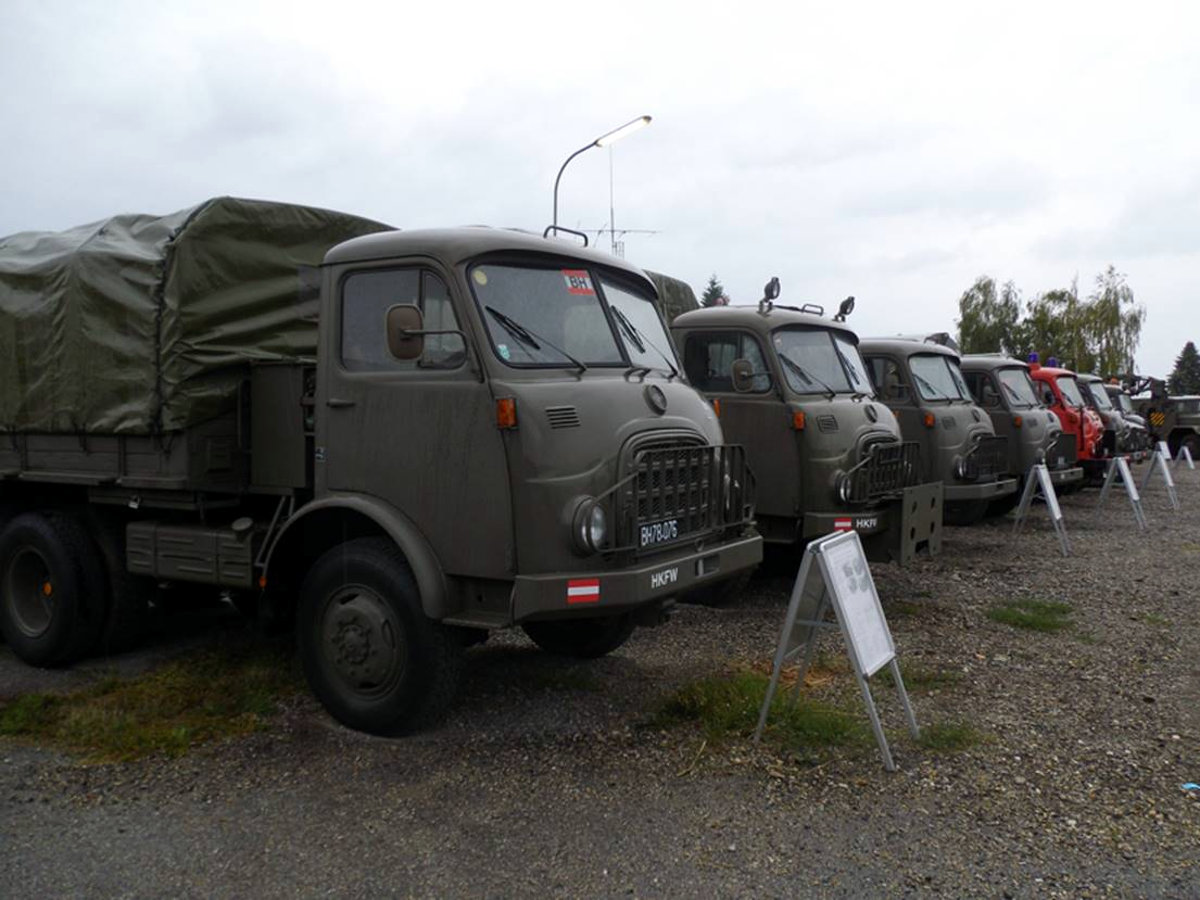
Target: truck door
[
  {"x": 758, "y": 419},
  {"x": 420, "y": 434}
]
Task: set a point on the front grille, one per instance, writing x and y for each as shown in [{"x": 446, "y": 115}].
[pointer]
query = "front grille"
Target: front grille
[
  {"x": 988, "y": 459},
  {"x": 1063, "y": 448},
  {"x": 687, "y": 491},
  {"x": 886, "y": 469}
]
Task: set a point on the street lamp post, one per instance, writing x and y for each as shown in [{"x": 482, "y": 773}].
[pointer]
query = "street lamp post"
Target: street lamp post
[{"x": 603, "y": 141}]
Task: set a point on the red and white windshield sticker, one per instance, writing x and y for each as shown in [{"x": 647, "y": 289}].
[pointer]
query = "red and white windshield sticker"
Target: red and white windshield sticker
[
  {"x": 578, "y": 281},
  {"x": 583, "y": 590},
  {"x": 843, "y": 525}
]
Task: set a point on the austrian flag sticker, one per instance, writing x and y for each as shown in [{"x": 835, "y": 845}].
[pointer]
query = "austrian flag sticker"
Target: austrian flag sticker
[
  {"x": 583, "y": 590},
  {"x": 843, "y": 525}
]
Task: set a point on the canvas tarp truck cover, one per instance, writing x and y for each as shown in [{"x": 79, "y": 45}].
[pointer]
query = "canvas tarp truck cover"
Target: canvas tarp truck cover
[
  {"x": 143, "y": 324},
  {"x": 675, "y": 297}
]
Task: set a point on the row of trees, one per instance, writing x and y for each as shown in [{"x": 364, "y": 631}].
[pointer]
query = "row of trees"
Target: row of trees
[{"x": 1097, "y": 333}]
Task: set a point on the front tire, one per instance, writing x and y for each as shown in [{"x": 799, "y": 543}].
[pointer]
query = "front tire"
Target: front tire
[
  {"x": 370, "y": 654},
  {"x": 51, "y": 589},
  {"x": 581, "y": 638}
]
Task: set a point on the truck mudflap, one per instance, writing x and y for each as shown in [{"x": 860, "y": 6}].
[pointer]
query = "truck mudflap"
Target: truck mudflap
[
  {"x": 914, "y": 525},
  {"x": 599, "y": 593},
  {"x": 988, "y": 490}
]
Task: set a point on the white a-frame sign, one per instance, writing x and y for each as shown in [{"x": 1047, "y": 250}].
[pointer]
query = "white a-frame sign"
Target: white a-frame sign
[
  {"x": 834, "y": 575},
  {"x": 1158, "y": 463},
  {"x": 1038, "y": 479},
  {"x": 1118, "y": 467}
]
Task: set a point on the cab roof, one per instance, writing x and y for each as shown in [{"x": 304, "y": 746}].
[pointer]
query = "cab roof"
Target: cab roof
[
  {"x": 457, "y": 245},
  {"x": 749, "y": 318},
  {"x": 989, "y": 362},
  {"x": 904, "y": 347}
]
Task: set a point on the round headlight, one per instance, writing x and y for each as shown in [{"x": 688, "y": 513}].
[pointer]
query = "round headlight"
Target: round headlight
[
  {"x": 597, "y": 527},
  {"x": 843, "y": 487},
  {"x": 960, "y": 467},
  {"x": 590, "y": 526}
]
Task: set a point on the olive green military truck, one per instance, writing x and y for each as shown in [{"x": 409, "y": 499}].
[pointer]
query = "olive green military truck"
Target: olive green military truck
[
  {"x": 921, "y": 382},
  {"x": 403, "y": 442},
  {"x": 790, "y": 386},
  {"x": 1002, "y": 386},
  {"x": 1171, "y": 418}
]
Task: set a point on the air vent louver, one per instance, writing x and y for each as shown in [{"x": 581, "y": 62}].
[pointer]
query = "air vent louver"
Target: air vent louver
[
  {"x": 562, "y": 416},
  {"x": 827, "y": 423}
]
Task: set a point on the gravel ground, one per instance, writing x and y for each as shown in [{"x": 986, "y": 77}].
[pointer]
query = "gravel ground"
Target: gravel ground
[{"x": 549, "y": 780}]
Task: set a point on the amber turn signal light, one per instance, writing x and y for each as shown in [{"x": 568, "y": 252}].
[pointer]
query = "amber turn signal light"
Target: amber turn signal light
[
  {"x": 506, "y": 412},
  {"x": 798, "y": 420},
  {"x": 930, "y": 420},
  {"x": 717, "y": 406},
  {"x": 1017, "y": 420}
]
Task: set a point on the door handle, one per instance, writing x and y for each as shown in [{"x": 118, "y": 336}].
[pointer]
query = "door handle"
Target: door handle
[{"x": 335, "y": 403}]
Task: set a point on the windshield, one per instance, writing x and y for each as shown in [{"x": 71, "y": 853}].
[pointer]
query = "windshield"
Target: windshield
[
  {"x": 1099, "y": 394},
  {"x": 1070, "y": 390},
  {"x": 1189, "y": 406},
  {"x": 937, "y": 377},
  {"x": 815, "y": 362},
  {"x": 640, "y": 328},
  {"x": 544, "y": 317},
  {"x": 1017, "y": 387},
  {"x": 1124, "y": 403}
]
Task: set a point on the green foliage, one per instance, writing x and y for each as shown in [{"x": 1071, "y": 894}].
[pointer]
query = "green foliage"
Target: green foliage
[
  {"x": 988, "y": 323},
  {"x": 1185, "y": 378},
  {"x": 202, "y": 697},
  {"x": 1034, "y": 615},
  {"x": 1099, "y": 333},
  {"x": 949, "y": 737},
  {"x": 714, "y": 293}
]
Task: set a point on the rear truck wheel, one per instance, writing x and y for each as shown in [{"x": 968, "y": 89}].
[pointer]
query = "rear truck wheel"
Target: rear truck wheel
[
  {"x": 720, "y": 593},
  {"x": 964, "y": 512},
  {"x": 1192, "y": 442},
  {"x": 581, "y": 638},
  {"x": 51, "y": 589},
  {"x": 370, "y": 654}
]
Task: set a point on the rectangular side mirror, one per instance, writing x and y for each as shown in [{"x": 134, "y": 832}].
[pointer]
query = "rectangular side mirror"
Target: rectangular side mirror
[{"x": 402, "y": 319}]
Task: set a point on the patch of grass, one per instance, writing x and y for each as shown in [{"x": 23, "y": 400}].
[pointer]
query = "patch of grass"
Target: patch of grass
[
  {"x": 949, "y": 737},
  {"x": 1153, "y": 619},
  {"x": 728, "y": 706},
  {"x": 1035, "y": 615},
  {"x": 921, "y": 676},
  {"x": 202, "y": 697}
]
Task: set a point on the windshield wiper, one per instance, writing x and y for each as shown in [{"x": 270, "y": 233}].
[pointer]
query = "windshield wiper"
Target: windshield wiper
[
  {"x": 931, "y": 388},
  {"x": 852, "y": 372},
  {"x": 1012, "y": 392},
  {"x": 527, "y": 337},
  {"x": 640, "y": 340},
  {"x": 811, "y": 379}
]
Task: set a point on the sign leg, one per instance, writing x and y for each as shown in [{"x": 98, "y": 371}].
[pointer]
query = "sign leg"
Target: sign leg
[
  {"x": 880, "y": 737},
  {"x": 1026, "y": 498},
  {"x": 781, "y": 651},
  {"x": 913, "y": 728}
]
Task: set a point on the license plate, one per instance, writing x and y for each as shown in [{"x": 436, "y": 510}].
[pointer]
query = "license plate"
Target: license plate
[{"x": 658, "y": 533}]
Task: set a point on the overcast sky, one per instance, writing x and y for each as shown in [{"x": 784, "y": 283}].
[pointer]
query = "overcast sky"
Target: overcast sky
[{"x": 893, "y": 151}]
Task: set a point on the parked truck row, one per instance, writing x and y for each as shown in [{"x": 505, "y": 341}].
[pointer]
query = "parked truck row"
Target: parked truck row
[{"x": 396, "y": 442}]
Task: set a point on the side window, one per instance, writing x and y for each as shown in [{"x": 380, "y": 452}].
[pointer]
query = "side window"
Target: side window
[
  {"x": 986, "y": 392},
  {"x": 366, "y": 298},
  {"x": 1046, "y": 393},
  {"x": 708, "y": 361},
  {"x": 889, "y": 383}
]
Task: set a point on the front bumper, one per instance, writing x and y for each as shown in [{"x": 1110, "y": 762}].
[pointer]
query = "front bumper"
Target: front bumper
[
  {"x": 1066, "y": 476},
  {"x": 601, "y": 593},
  {"x": 990, "y": 490}
]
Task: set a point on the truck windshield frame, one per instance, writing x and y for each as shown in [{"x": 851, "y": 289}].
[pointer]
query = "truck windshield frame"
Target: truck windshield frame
[
  {"x": 933, "y": 371},
  {"x": 1099, "y": 395},
  {"x": 1069, "y": 389},
  {"x": 1020, "y": 392},
  {"x": 831, "y": 364},
  {"x": 519, "y": 303}
]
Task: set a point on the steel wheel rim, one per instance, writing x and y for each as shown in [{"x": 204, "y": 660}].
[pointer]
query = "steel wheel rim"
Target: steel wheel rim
[
  {"x": 362, "y": 641},
  {"x": 30, "y": 592}
]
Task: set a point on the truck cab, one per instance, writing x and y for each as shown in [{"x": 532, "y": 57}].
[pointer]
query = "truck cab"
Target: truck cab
[
  {"x": 921, "y": 382},
  {"x": 790, "y": 386},
  {"x": 1059, "y": 391},
  {"x": 1119, "y": 435},
  {"x": 1002, "y": 387},
  {"x": 1140, "y": 434},
  {"x": 1174, "y": 419}
]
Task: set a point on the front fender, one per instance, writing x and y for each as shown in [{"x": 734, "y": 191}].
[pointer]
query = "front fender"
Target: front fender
[{"x": 320, "y": 514}]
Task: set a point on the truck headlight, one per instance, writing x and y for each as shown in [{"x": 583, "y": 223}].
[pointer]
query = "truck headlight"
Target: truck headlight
[
  {"x": 590, "y": 526},
  {"x": 960, "y": 467},
  {"x": 842, "y": 487}
]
